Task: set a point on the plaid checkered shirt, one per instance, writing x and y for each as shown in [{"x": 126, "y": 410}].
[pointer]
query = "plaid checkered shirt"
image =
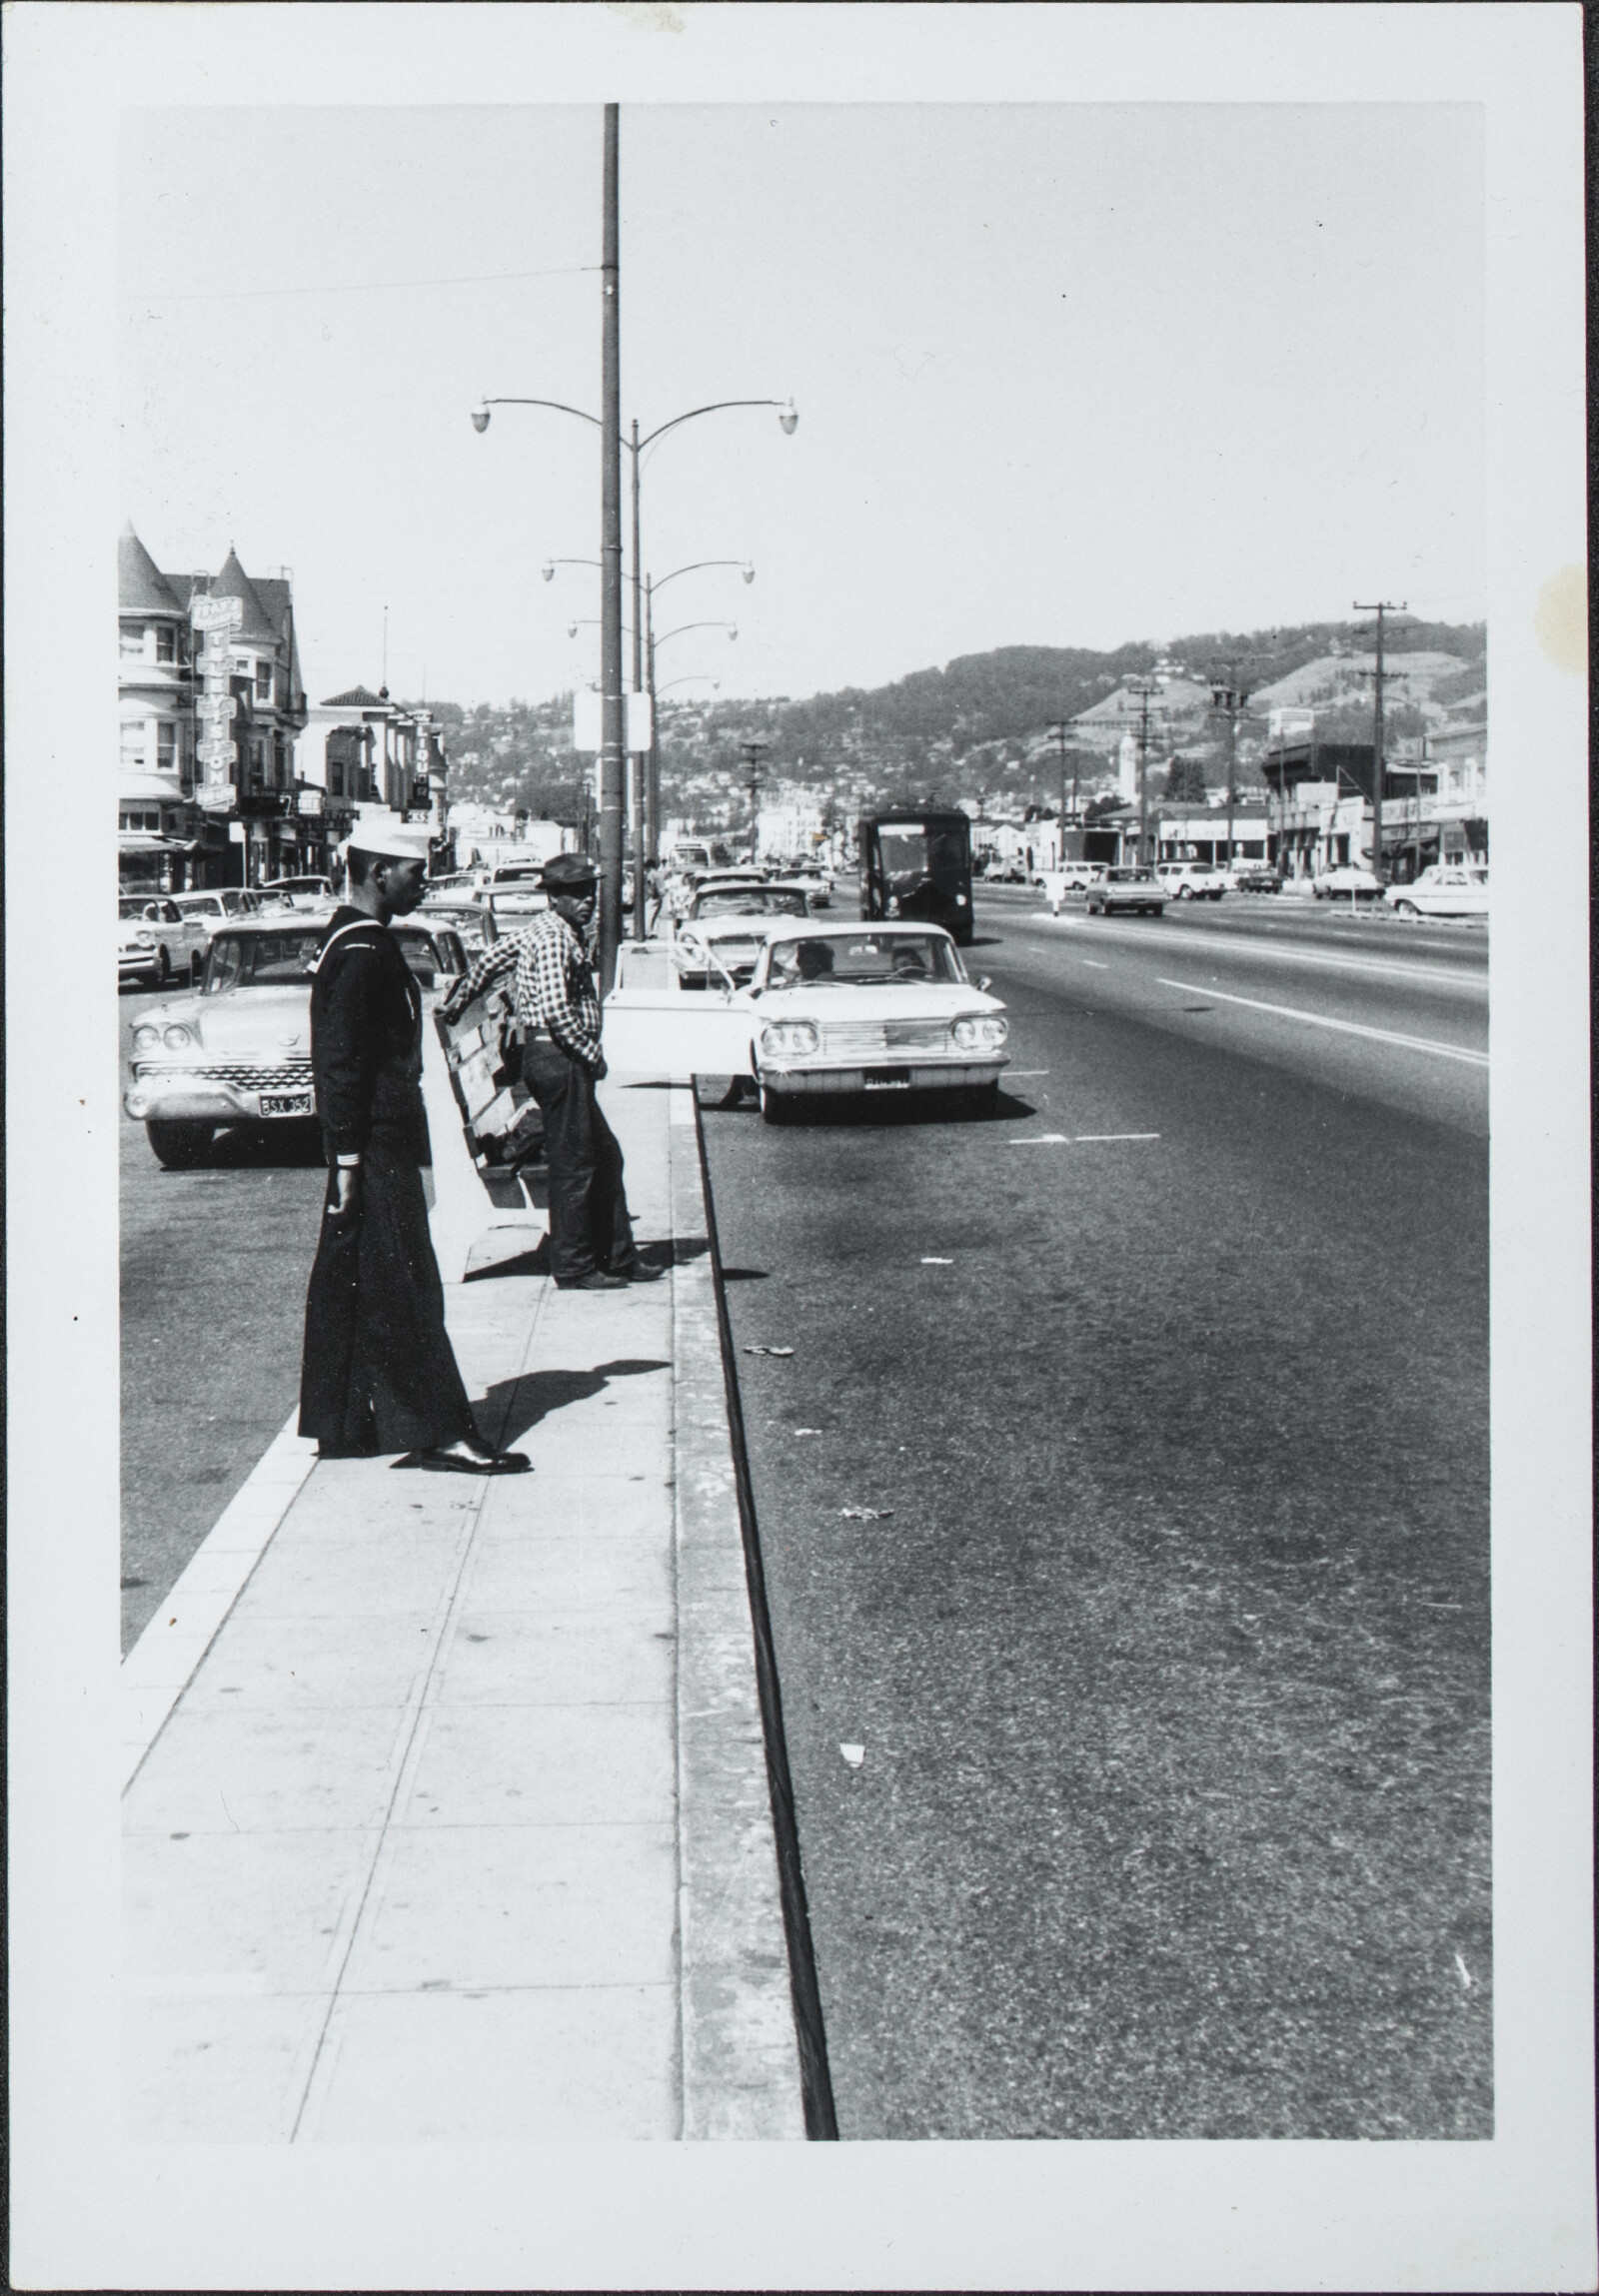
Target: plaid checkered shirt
[{"x": 553, "y": 985}]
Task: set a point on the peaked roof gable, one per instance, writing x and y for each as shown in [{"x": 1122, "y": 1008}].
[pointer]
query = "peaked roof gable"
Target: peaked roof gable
[
  {"x": 141, "y": 585},
  {"x": 233, "y": 581},
  {"x": 358, "y": 697}
]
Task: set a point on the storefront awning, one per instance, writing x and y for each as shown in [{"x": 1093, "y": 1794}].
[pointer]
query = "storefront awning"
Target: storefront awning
[{"x": 146, "y": 841}]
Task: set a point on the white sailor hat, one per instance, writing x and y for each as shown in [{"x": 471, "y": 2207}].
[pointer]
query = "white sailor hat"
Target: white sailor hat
[{"x": 390, "y": 841}]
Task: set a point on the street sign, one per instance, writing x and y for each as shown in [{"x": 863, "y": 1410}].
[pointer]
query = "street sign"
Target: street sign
[
  {"x": 215, "y": 796},
  {"x": 215, "y": 613}
]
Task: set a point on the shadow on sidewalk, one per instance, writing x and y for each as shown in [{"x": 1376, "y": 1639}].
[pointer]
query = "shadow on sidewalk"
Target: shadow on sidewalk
[{"x": 513, "y": 1405}]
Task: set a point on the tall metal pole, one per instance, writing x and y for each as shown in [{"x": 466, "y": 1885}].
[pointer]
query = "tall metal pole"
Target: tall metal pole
[
  {"x": 612, "y": 750},
  {"x": 1232, "y": 762},
  {"x": 636, "y": 761},
  {"x": 651, "y": 801},
  {"x": 1385, "y": 605}
]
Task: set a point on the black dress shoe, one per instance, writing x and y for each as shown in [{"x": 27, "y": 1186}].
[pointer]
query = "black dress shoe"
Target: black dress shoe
[
  {"x": 595, "y": 1281},
  {"x": 640, "y": 1273},
  {"x": 468, "y": 1457}
]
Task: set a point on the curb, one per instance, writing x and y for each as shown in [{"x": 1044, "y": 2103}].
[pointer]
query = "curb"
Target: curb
[
  {"x": 741, "y": 2068},
  {"x": 162, "y": 1661}
]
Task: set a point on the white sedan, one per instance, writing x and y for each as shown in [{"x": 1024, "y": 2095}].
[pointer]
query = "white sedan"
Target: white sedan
[
  {"x": 1443, "y": 890},
  {"x": 1348, "y": 880},
  {"x": 832, "y": 1009}
]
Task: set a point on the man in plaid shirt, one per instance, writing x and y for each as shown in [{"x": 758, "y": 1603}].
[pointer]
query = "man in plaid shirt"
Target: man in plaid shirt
[{"x": 557, "y": 1017}]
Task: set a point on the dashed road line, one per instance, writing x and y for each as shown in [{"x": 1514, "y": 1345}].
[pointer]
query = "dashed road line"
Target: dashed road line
[{"x": 1344, "y": 1027}]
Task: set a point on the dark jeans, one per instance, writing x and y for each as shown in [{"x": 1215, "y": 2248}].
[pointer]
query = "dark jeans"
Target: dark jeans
[{"x": 589, "y": 1223}]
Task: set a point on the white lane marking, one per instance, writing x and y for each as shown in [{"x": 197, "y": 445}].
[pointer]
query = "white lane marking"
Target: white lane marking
[
  {"x": 1096, "y": 965},
  {"x": 1040, "y": 1140},
  {"x": 1218, "y": 943},
  {"x": 1084, "y": 1137},
  {"x": 1078, "y": 1140},
  {"x": 1026, "y": 1071},
  {"x": 1344, "y": 1027}
]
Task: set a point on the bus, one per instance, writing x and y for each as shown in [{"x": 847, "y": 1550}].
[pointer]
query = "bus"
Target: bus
[{"x": 917, "y": 865}]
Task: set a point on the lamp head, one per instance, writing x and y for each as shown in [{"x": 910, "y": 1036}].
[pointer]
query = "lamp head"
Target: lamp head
[
  {"x": 571, "y": 629},
  {"x": 748, "y": 573},
  {"x": 547, "y": 569},
  {"x": 789, "y": 416},
  {"x": 480, "y": 419},
  {"x": 732, "y": 631}
]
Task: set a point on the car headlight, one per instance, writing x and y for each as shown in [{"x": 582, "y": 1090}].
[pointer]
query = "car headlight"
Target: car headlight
[
  {"x": 176, "y": 1036},
  {"x": 146, "y": 1038},
  {"x": 790, "y": 1036},
  {"x": 981, "y": 1032},
  {"x": 145, "y": 937}
]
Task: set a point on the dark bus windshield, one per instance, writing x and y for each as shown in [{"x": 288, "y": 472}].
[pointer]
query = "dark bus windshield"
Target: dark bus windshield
[{"x": 917, "y": 865}]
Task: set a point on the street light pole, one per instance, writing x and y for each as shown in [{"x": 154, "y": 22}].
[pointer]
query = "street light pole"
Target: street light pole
[
  {"x": 611, "y": 704},
  {"x": 752, "y": 757},
  {"x": 1143, "y": 687}
]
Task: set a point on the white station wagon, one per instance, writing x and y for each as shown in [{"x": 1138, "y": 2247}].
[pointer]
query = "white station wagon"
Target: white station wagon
[{"x": 831, "y": 1009}]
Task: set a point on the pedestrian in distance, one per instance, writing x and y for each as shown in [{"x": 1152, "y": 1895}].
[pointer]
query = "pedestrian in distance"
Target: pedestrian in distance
[
  {"x": 378, "y": 1373},
  {"x": 558, "y": 1024}
]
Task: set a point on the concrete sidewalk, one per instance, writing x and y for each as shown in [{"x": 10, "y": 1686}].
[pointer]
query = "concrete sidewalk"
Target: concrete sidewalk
[{"x": 447, "y": 1815}]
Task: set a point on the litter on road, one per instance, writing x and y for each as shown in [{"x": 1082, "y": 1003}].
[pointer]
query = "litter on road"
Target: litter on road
[
  {"x": 768, "y": 1351},
  {"x": 808, "y": 1431},
  {"x": 854, "y": 1756},
  {"x": 866, "y": 1514}
]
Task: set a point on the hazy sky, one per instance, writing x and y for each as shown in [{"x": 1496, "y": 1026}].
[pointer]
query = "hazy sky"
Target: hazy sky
[{"x": 1066, "y": 375}]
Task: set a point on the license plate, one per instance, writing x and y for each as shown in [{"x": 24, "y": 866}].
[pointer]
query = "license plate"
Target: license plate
[
  {"x": 887, "y": 1080},
  {"x": 286, "y": 1104}
]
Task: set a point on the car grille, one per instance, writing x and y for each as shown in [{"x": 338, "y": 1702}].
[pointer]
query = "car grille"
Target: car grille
[
  {"x": 294, "y": 1076},
  {"x": 852, "y": 1040}
]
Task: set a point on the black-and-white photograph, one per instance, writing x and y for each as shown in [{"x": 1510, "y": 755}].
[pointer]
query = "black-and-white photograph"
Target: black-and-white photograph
[{"x": 800, "y": 1138}]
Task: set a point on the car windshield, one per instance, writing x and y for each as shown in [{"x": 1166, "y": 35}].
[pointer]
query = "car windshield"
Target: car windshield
[
  {"x": 429, "y": 954},
  {"x": 257, "y": 960},
  {"x": 204, "y": 904},
  {"x": 1129, "y": 876},
  {"x": 855, "y": 959},
  {"x": 749, "y": 901},
  {"x": 143, "y": 906}
]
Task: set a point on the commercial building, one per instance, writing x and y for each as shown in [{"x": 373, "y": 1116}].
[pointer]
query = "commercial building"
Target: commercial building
[
  {"x": 1435, "y": 803},
  {"x": 210, "y": 708},
  {"x": 365, "y": 755}
]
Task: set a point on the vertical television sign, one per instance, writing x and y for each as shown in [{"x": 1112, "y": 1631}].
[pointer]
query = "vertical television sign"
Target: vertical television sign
[{"x": 216, "y": 619}]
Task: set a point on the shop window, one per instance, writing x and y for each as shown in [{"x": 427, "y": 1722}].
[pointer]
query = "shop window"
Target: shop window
[{"x": 166, "y": 642}]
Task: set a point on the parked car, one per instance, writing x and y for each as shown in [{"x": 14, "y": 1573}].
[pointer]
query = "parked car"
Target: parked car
[
  {"x": 1192, "y": 880},
  {"x": 301, "y": 892},
  {"x": 1137, "y": 891},
  {"x": 215, "y": 910},
  {"x": 734, "y": 922},
  {"x": 1253, "y": 877},
  {"x": 1446, "y": 889},
  {"x": 1350, "y": 879},
  {"x": 816, "y": 884},
  {"x": 997, "y": 872},
  {"x": 830, "y": 1010},
  {"x": 239, "y": 1052},
  {"x": 156, "y": 941},
  {"x": 475, "y": 921}
]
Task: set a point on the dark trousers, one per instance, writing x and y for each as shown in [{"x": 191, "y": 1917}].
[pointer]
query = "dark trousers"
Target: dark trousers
[
  {"x": 589, "y": 1223},
  {"x": 378, "y": 1373}
]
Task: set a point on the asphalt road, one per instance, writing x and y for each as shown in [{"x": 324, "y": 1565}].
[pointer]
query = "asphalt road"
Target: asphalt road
[
  {"x": 1168, "y": 1645},
  {"x": 214, "y": 1270}
]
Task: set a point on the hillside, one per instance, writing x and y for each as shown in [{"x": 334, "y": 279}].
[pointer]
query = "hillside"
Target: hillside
[{"x": 980, "y": 728}]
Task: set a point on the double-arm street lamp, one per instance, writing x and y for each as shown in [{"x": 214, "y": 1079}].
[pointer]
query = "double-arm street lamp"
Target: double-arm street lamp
[{"x": 787, "y": 419}]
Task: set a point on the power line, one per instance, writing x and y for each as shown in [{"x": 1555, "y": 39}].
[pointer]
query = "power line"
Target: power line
[{"x": 358, "y": 286}]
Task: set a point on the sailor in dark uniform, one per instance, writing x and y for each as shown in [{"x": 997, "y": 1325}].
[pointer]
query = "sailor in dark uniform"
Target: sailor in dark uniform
[{"x": 378, "y": 1373}]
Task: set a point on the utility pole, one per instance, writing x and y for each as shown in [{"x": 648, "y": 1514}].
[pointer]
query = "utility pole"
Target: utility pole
[
  {"x": 1143, "y": 687},
  {"x": 1385, "y": 605},
  {"x": 612, "y": 733},
  {"x": 1057, "y": 727},
  {"x": 752, "y": 761},
  {"x": 1227, "y": 693}
]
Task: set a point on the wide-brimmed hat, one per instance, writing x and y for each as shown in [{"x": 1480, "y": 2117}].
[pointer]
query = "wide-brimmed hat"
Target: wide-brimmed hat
[{"x": 568, "y": 873}]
